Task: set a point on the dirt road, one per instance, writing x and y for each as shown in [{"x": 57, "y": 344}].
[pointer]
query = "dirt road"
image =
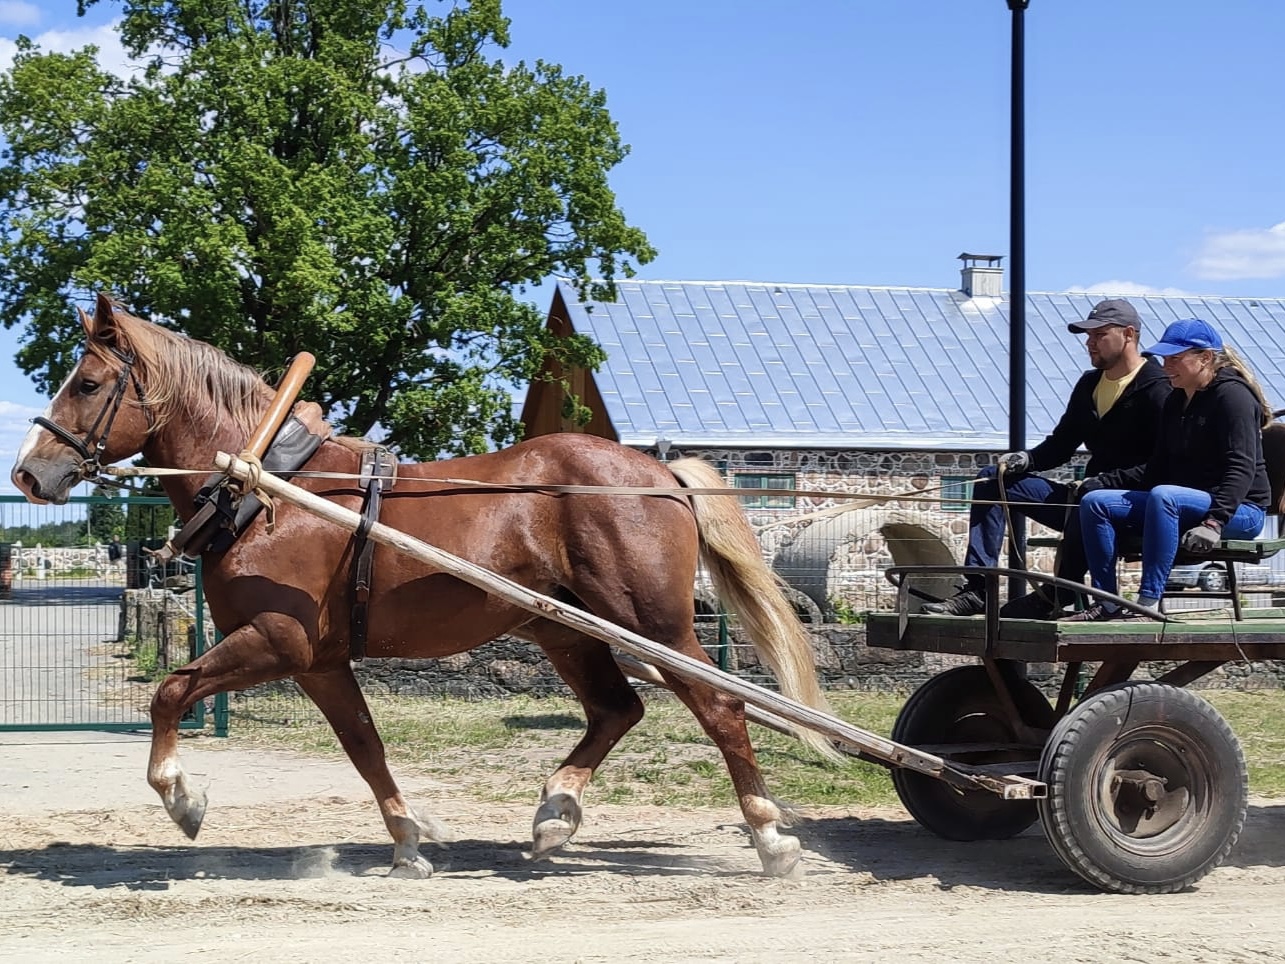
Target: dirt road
[{"x": 291, "y": 866}]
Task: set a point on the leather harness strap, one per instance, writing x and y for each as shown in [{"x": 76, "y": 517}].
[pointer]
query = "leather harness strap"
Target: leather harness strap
[{"x": 378, "y": 474}]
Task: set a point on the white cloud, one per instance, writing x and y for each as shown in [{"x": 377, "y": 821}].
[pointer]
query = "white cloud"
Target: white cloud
[
  {"x": 18, "y": 13},
  {"x": 1130, "y": 289},
  {"x": 15, "y": 420},
  {"x": 111, "y": 56},
  {"x": 1247, "y": 253}
]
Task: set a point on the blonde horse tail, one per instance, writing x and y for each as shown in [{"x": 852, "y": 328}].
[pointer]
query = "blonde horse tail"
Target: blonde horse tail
[{"x": 752, "y": 592}]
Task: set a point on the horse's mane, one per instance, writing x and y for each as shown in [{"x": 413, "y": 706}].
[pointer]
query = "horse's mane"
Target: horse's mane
[
  {"x": 186, "y": 376},
  {"x": 182, "y": 375}
]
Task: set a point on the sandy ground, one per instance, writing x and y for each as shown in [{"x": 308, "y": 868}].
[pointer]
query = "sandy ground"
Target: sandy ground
[{"x": 291, "y": 866}]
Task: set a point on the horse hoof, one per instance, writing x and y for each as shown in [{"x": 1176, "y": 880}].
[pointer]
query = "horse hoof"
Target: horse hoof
[
  {"x": 784, "y": 859},
  {"x": 417, "y": 869},
  {"x": 190, "y": 817},
  {"x": 556, "y": 822},
  {"x": 550, "y": 836}
]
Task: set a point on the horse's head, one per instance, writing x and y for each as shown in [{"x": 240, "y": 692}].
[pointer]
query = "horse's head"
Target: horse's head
[{"x": 99, "y": 416}]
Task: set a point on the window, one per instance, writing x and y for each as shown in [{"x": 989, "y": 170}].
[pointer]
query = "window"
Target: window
[
  {"x": 956, "y": 490},
  {"x": 763, "y": 480}
]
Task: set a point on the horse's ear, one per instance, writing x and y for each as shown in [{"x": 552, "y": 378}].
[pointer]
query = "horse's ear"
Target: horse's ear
[
  {"x": 102, "y": 327},
  {"x": 86, "y": 321}
]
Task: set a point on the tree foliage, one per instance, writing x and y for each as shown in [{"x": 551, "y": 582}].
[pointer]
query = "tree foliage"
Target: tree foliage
[{"x": 362, "y": 179}]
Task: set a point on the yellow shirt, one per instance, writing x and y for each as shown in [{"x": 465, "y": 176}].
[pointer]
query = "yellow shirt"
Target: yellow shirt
[{"x": 1110, "y": 389}]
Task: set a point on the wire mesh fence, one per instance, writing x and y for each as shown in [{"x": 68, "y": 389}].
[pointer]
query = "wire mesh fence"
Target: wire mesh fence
[
  {"x": 84, "y": 635},
  {"x": 85, "y": 625}
]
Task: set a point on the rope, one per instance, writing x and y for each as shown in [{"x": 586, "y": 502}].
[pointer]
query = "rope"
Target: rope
[
  {"x": 865, "y": 499},
  {"x": 1008, "y": 515},
  {"x": 253, "y": 474}
]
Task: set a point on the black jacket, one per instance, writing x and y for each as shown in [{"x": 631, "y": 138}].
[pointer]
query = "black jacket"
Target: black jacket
[
  {"x": 1214, "y": 444},
  {"x": 1122, "y": 438}
]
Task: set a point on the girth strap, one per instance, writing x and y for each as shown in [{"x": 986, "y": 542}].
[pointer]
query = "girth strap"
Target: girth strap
[{"x": 378, "y": 474}]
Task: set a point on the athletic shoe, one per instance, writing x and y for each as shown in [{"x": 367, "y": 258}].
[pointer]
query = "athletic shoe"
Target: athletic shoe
[
  {"x": 1098, "y": 613},
  {"x": 1031, "y": 606},
  {"x": 966, "y": 602}
]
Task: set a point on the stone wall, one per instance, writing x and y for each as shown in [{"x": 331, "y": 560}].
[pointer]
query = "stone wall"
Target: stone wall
[{"x": 507, "y": 666}]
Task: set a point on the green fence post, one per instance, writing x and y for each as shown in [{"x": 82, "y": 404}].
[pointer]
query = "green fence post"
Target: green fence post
[
  {"x": 723, "y": 642},
  {"x": 221, "y": 710}
]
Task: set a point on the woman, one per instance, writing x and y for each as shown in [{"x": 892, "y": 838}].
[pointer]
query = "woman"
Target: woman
[{"x": 1205, "y": 480}]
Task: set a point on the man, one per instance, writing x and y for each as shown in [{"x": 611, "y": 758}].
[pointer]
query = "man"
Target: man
[{"x": 1114, "y": 412}]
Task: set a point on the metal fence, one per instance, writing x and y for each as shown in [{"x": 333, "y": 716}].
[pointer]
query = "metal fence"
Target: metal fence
[
  {"x": 75, "y": 623},
  {"x": 85, "y": 638}
]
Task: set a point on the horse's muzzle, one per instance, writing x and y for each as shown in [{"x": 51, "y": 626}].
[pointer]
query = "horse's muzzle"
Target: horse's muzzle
[{"x": 53, "y": 484}]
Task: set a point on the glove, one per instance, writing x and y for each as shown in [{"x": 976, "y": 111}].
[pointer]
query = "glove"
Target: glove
[
  {"x": 1203, "y": 538},
  {"x": 1091, "y": 484},
  {"x": 1015, "y": 462}
]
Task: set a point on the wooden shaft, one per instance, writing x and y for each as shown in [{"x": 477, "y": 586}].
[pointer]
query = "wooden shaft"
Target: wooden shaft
[
  {"x": 632, "y": 643},
  {"x": 287, "y": 391}
]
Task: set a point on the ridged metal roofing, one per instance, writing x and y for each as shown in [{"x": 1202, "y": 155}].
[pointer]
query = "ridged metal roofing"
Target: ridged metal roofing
[{"x": 742, "y": 364}]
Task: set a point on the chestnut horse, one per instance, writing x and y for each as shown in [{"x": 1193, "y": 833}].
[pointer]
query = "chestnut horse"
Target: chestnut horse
[{"x": 283, "y": 599}]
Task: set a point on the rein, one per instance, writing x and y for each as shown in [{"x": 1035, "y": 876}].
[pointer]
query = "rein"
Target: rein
[{"x": 557, "y": 489}]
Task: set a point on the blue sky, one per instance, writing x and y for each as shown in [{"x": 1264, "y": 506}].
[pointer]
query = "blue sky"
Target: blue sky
[{"x": 864, "y": 142}]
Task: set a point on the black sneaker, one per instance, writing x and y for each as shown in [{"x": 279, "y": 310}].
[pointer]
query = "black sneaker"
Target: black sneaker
[
  {"x": 1098, "y": 613},
  {"x": 966, "y": 602},
  {"x": 1031, "y": 606}
]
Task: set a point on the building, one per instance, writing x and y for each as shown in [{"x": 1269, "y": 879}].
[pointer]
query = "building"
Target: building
[{"x": 882, "y": 390}]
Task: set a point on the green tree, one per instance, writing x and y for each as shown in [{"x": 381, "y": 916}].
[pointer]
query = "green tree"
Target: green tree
[
  {"x": 277, "y": 179},
  {"x": 148, "y": 522},
  {"x": 106, "y": 518}
]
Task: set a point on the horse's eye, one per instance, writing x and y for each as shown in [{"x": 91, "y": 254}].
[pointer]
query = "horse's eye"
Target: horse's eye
[{"x": 88, "y": 386}]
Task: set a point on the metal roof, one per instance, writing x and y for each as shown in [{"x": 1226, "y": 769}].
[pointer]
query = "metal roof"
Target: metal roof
[{"x": 746, "y": 365}]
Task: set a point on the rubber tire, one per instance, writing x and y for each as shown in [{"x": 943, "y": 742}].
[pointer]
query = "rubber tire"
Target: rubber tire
[
  {"x": 1127, "y": 723},
  {"x": 960, "y": 705},
  {"x": 1212, "y": 579}
]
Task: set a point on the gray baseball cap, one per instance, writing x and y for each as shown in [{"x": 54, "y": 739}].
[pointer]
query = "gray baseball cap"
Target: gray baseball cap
[{"x": 1113, "y": 311}]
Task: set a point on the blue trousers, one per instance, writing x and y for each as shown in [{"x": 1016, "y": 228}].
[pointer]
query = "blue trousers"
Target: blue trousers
[
  {"x": 1160, "y": 516},
  {"x": 1028, "y": 495}
]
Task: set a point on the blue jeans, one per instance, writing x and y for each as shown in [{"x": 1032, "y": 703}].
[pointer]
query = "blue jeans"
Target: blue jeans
[
  {"x": 1034, "y": 496},
  {"x": 1160, "y": 516}
]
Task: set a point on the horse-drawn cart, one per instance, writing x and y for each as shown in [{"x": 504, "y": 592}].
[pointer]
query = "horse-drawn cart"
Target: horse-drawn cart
[{"x": 1143, "y": 784}]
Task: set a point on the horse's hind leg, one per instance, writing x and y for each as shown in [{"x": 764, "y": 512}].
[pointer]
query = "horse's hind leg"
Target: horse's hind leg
[
  {"x": 338, "y": 696},
  {"x": 611, "y": 707},
  {"x": 722, "y": 717}
]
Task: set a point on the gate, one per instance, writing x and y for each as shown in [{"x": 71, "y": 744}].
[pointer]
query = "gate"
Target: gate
[{"x": 84, "y": 636}]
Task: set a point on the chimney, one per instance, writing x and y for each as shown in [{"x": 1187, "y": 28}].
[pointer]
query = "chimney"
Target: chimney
[{"x": 978, "y": 280}]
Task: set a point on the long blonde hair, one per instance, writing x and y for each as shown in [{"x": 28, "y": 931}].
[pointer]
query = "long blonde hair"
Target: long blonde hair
[{"x": 1228, "y": 357}]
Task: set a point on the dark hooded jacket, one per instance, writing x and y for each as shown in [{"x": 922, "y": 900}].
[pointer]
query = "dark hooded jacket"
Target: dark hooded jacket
[
  {"x": 1214, "y": 443},
  {"x": 1121, "y": 438}
]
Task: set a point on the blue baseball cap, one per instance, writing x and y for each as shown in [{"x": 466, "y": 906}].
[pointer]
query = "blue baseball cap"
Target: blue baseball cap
[{"x": 1186, "y": 334}]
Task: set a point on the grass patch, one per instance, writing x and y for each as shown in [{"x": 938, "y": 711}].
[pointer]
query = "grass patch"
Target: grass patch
[
  {"x": 1257, "y": 717},
  {"x": 503, "y": 750},
  {"x": 146, "y": 657}
]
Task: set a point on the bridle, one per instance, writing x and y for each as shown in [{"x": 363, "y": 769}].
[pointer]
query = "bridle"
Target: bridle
[{"x": 91, "y": 447}]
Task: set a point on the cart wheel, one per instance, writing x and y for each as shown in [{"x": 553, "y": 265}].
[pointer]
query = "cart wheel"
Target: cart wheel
[
  {"x": 1147, "y": 788},
  {"x": 961, "y": 706}
]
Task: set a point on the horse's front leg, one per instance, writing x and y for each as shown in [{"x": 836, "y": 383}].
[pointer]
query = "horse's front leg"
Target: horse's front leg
[
  {"x": 611, "y": 707},
  {"x": 338, "y": 696},
  {"x": 244, "y": 658}
]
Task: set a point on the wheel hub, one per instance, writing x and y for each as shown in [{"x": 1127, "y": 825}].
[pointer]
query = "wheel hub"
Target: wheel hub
[{"x": 1142, "y": 803}]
